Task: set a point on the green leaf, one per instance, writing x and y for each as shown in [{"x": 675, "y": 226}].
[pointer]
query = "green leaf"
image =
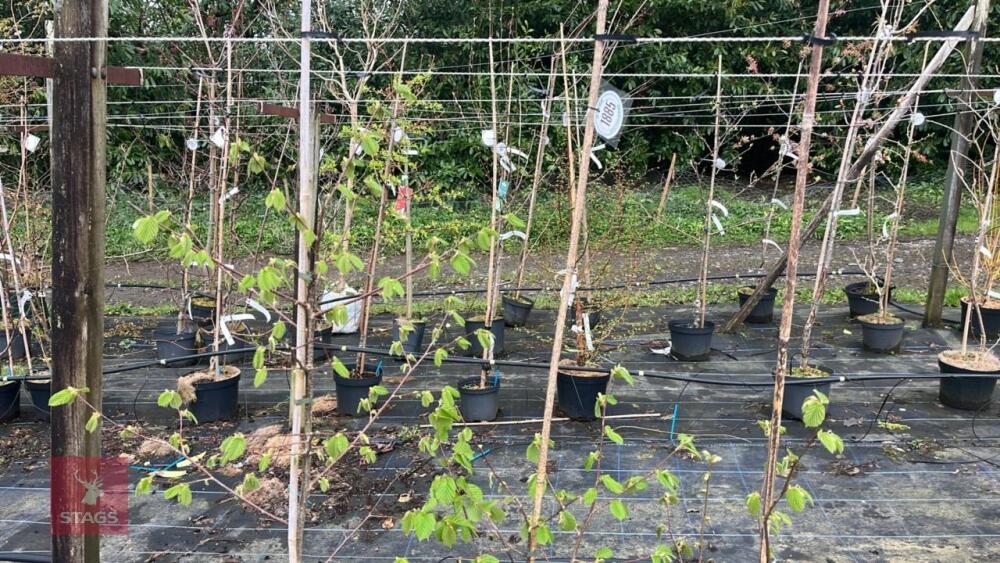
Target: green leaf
[
  {"x": 92, "y": 422},
  {"x": 590, "y": 496},
  {"x": 813, "y": 412},
  {"x": 515, "y": 221},
  {"x": 832, "y": 442},
  {"x": 613, "y": 436},
  {"x": 232, "y": 448},
  {"x": 369, "y": 144},
  {"x": 797, "y": 497},
  {"x": 461, "y": 263},
  {"x": 180, "y": 491},
  {"x": 604, "y": 553},
  {"x": 275, "y": 199},
  {"x": 142, "y": 487},
  {"x": 278, "y": 330},
  {"x": 439, "y": 356},
  {"x": 619, "y": 372},
  {"x": 612, "y": 485},
  {"x": 391, "y": 288},
  {"x": 258, "y": 357},
  {"x": 618, "y": 509},
  {"x": 543, "y": 535},
  {"x": 256, "y": 164},
  {"x": 339, "y": 367},
  {"x": 65, "y": 396},
  {"x": 335, "y": 446},
  {"x": 567, "y": 522},
  {"x": 259, "y": 377},
  {"x": 753, "y": 503}
]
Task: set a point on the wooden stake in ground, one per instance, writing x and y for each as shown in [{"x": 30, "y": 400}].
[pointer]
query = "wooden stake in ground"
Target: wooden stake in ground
[
  {"x": 297, "y": 478},
  {"x": 491, "y": 270},
  {"x": 567, "y": 287},
  {"x": 900, "y": 110},
  {"x": 666, "y": 187},
  {"x": 709, "y": 208},
  {"x": 536, "y": 178},
  {"x": 958, "y": 166},
  {"x": 785, "y": 328},
  {"x": 78, "y": 182}
]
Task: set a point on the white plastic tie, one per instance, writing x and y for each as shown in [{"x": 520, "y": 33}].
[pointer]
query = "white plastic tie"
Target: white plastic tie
[
  {"x": 259, "y": 308},
  {"x": 770, "y": 242},
  {"x": 229, "y": 194},
  {"x": 996, "y": 96},
  {"x": 720, "y": 207},
  {"x": 885, "y": 223},
  {"x": 488, "y": 138},
  {"x": 191, "y": 144},
  {"x": 512, "y": 234},
  {"x": 992, "y": 294},
  {"x": 917, "y": 119},
  {"x": 720, "y": 164},
  {"x": 718, "y": 224},
  {"x": 847, "y": 212},
  {"x": 224, "y": 327},
  {"x": 25, "y": 296},
  {"x": 586, "y": 332},
  {"x": 985, "y": 252},
  {"x": 779, "y": 203}
]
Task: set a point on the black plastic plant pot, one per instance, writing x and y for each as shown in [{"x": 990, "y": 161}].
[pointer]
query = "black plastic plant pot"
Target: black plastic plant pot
[
  {"x": 203, "y": 309},
  {"x": 516, "y": 310},
  {"x": 170, "y": 345},
  {"x": 965, "y": 393},
  {"x": 350, "y": 391},
  {"x": 577, "y": 392},
  {"x": 244, "y": 349},
  {"x": 414, "y": 341},
  {"x": 690, "y": 343},
  {"x": 14, "y": 346},
  {"x": 882, "y": 338},
  {"x": 763, "y": 311},
  {"x": 10, "y": 400},
  {"x": 497, "y": 328},
  {"x": 478, "y": 403},
  {"x": 216, "y": 400},
  {"x": 990, "y": 321},
  {"x": 40, "y": 391},
  {"x": 861, "y": 300},
  {"x": 796, "y": 393}
]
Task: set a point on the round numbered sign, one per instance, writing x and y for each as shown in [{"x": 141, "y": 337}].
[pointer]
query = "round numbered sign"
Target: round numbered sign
[{"x": 610, "y": 114}]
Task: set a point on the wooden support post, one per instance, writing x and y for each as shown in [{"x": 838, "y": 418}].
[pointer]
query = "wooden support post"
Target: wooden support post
[
  {"x": 872, "y": 146},
  {"x": 78, "y": 181},
  {"x": 579, "y": 204},
  {"x": 954, "y": 179},
  {"x": 666, "y": 188},
  {"x": 536, "y": 178},
  {"x": 297, "y": 479},
  {"x": 785, "y": 327}
]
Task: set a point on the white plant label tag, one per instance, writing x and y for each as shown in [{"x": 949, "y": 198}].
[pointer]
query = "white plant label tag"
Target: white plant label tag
[
  {"x": 191, "y": 144},
  {"x": 985, "y": 252},
  {"x": 917, "y": 119},
  {"x": 488, "y": 137},
  {"x": 512, "y": 234},
  {"x": 219, "y": 137},
  {"x": 779, "y": 203},
  {"x": 885, "y": 223},
  {"x": 848, "y": 212},
  {"x": 25, "y": 296},
  {"x": 720, "y": 164},
  {"x": 996, "y": 96},
  {"x": 31, "y": 143}
]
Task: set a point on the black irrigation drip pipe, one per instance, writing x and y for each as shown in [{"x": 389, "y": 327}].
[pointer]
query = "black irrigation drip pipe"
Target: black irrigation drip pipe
[{"x": 638, "y": 284}]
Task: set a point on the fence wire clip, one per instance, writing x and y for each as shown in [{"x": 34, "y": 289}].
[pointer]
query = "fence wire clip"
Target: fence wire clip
[{"x": 810, "y": 39}]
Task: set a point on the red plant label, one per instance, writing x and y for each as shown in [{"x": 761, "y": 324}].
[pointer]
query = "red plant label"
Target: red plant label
[{"x": 89, "y": 496}]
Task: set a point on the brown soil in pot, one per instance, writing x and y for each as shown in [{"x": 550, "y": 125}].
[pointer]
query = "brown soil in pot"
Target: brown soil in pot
[
  {"x": 186, "y": 383},
  {"x": 986, "y": 303},
  {"x": 974, "y": 360},
  {"x": 877, "y": 319},
  {"x": 807, "y": 372},
  {"x": 566, "y": 366}
]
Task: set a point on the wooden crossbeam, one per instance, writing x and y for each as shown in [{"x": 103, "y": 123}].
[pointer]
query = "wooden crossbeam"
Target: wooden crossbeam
[
  {"x": 33, "y": 66},
  {"x": 291, "y": 113}
]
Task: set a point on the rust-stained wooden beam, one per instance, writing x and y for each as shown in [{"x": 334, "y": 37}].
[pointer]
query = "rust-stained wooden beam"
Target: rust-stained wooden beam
[
  {"x": 291, "y": 112},
  {"x": 33, "y": 66}
]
